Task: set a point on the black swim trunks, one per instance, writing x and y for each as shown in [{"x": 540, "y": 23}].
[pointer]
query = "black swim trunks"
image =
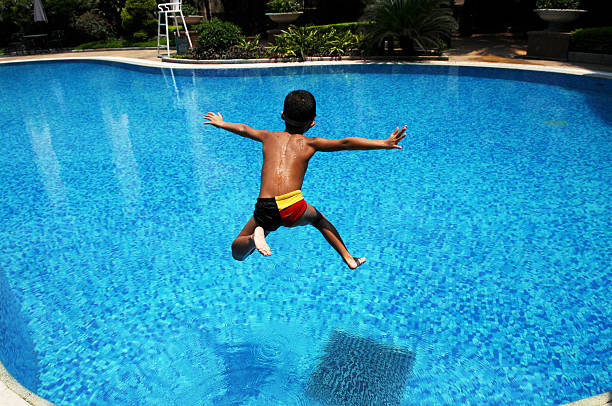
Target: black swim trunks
[{"x": 272, "y": 212}]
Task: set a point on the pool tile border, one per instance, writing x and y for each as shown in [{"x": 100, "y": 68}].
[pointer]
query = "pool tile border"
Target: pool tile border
[
  {"x": 25, "y": 397},
  {"x": 22, "y": 396}
]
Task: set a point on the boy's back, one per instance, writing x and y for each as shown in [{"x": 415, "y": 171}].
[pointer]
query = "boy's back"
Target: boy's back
[{"x": 285, "y": 160}]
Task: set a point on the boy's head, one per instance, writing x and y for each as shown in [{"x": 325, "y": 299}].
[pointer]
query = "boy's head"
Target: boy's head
[{"x": 299, "y": 110}]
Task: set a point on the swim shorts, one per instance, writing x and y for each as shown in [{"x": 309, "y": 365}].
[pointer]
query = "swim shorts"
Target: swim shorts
[{"x": 272, "y": 212}]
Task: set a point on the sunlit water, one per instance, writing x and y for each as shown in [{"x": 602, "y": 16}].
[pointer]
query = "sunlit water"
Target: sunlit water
[{"x": 488, "y": 237}]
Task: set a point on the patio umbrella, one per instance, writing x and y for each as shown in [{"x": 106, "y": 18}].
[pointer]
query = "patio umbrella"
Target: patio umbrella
[{"x": 39, "y": 12}]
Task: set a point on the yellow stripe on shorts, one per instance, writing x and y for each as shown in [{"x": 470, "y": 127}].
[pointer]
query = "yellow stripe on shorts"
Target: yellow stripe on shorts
[{"x": 286, "y": 200}]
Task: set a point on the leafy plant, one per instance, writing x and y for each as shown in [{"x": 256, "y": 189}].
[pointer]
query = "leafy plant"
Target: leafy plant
[
  {"x": 598, "y": 40},
  {"x": 558, "y": 4},
  {"x": 419, "y": 25},
  {"x": 216, "y": 36},
  {"x": 92, "y": 25},
  {"x": 250, "y": 46},
  {"x": 283, "y": 6},
  {"x": 139, "y": 15},
  {"x": 118, "y": 43},
  {"x": 189, "y": 10},
  {"x": 302, "y": 42}
]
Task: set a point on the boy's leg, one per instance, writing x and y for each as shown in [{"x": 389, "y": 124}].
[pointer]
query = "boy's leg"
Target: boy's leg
[
  {"x": 252, "y": 236},
  {"x": 320, "y": 222}
]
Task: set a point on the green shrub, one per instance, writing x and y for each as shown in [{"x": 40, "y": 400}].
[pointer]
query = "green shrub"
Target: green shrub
[
  {"x": 353, "y": 27},
  {"x": 118, "y": 43},
  {"x": 216, "y": 37},
  {"x": 419, "y": 25},
  {"x": 597, "y": 40},
  {"x": 558, "y": 4},
  {"x": 302, "y": 42},
  {"x": 92, "y": 25},
  {"x": 140, "y": 36},
  {"x": 283, "y": 6},
  {"x": 189, "y": 10},
  {"x": 139, "y": 15}
]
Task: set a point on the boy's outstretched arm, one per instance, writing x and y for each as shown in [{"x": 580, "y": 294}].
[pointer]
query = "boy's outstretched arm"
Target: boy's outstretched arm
[
  {"x": 236, "y": 128},
  {"x": 354, "y": 143}
]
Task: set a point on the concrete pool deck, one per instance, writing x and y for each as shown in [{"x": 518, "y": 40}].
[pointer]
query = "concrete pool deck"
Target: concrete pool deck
[{"x": 495, "y": 50}]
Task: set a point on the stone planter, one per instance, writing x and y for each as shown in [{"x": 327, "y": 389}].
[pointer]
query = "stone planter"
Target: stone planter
[
  {"x": 557, "y": 18},
  {"x": 193, "y": 20},
  {"x": 284, "y": 18}
]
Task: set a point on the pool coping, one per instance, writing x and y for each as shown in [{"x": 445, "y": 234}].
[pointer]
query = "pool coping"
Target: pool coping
[
  {"x": 220, "y": 64},
  {"x": 26, "y": 397}
]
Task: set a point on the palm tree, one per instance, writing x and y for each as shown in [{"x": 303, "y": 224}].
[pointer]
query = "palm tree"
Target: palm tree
[{"x": 419, "y": 25}]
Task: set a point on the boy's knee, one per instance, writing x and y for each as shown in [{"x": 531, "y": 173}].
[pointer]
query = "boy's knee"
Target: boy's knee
[{"x": 236, "y": 254}]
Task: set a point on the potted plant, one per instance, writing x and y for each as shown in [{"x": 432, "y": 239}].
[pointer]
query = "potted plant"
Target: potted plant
[
  {"x": 284, "y": 12},
  {"x": 558, "y": 12},
  {"x": 192, "y": 17}
]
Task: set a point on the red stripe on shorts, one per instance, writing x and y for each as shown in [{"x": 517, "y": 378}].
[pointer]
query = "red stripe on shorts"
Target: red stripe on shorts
[{"x": 292, "y": 213}]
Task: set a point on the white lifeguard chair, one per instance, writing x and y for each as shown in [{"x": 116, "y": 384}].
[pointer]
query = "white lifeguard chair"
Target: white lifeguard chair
[{"x": 173, "y": 9}]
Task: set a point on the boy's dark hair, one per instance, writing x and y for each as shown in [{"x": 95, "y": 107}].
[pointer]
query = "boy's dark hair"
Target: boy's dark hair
[{"x": 300, "y": 108}]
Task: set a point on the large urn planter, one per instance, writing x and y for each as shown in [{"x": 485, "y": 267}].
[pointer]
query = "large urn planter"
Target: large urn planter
[
  {"x": 557, "y": 18},
  {"x": 284, "y": 19}
]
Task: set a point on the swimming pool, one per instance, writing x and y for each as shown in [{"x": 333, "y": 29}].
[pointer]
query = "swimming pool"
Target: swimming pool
[{"x": 488, "y": 236}]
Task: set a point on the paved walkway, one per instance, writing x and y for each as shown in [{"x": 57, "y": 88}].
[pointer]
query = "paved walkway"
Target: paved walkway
[{"x": 492, "y": 48}]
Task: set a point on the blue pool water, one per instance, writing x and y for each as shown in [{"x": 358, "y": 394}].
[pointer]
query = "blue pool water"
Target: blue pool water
[{"x": 488, "y": 238}]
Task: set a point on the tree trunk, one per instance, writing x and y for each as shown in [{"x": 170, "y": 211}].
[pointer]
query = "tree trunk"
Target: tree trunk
[{"x": 212, "y": 8}]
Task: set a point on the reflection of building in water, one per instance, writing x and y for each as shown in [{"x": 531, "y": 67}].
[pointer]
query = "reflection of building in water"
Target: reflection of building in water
[
  {"x": 125, "y": 165},
  {"x": 46, "y": 161},
  {"x": 356, "y": 371}
]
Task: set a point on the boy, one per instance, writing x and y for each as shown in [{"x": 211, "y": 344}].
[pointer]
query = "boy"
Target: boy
[{"x": 285, "y": 160}]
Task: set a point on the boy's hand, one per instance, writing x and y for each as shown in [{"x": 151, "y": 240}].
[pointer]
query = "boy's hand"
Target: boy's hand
[
  {"x": 214, "y": 119},
  {"x": 395, "y": 137}
]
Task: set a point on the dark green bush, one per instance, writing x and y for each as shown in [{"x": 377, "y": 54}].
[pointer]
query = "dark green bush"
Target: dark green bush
[
  {"x": 92, "y": 25},
  {"x": 558, "y": 4},
  {"x": 597, "y": 40},
  {"x": 139, "y": 15},
  {"x": 283, "y": 6},
  {"x": 216, "y": 37}
]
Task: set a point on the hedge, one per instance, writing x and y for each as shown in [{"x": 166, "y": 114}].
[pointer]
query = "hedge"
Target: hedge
[{"x": 596, "y": 40}]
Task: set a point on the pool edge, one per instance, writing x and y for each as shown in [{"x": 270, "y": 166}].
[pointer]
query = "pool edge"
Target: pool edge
[
  {"x": 220, "y": 65},
  {"x": 603, "y": 399},
  {"x": 26, "y": 396}
]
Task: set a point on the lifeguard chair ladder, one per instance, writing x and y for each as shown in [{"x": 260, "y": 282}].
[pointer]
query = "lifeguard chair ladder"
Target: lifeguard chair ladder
[{"x": 173, "y": 9}]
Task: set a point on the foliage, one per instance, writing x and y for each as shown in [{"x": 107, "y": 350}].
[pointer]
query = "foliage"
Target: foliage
[
  {"x": 216, "y": 36},
  {"x": 419, "y": 25},
  {"x": 353, "y": 27},
  {"x": 597, "y": 40},
  {"x": 558, "y": 4},
  {"x": 92, "y": 25},
  {"x": 16, "y": 13},
  {"x": 189, "y": 10},
  {"x": 139, "y": 15},
  {"x": 118, "y": 43},
  {"x": 250, "y": 46},
  {"x": 302, "y": 42},
  {"x": 283, "y": 6}
]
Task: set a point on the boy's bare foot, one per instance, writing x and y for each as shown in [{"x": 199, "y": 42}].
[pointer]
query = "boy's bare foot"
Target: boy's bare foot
[
  {"x": 355, "y": 262},
  {"x": 259, "y": 238}
]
